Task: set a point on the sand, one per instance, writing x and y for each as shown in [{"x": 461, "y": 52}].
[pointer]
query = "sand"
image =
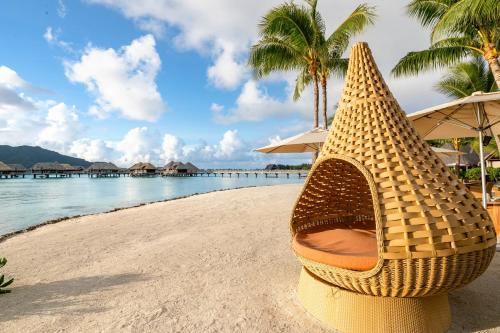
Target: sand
[{"x": 216, "y": 262}]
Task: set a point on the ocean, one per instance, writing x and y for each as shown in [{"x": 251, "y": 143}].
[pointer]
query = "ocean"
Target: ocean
[{"x": 27, "y": 202}]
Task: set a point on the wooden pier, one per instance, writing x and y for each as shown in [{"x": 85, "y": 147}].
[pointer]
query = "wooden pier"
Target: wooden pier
[{"x": 242, "y": 173}]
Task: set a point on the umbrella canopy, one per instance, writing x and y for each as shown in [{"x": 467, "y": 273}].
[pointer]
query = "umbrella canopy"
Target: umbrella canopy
[
  {"x": 312, "y": 141},
  {"x": 478, "y": 114},
  {"x": 307, "y": 142},
  {"x": 459, "y": 118}
]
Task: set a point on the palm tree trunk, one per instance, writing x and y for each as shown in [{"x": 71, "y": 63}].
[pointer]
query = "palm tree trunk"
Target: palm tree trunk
[
  {"x": 491, "y": 56},
  {"x": 316, "y": 106},
  {"x": 325, "y": 102},
  {"x": 316, "y": 102}
]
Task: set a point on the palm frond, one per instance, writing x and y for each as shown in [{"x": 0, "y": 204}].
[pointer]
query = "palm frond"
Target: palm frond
[
  {"x": 466, "y": 78},
  {"x": 290, "y": 21},
  {"x": 301, "y": 82},
  {"x": 466, "y": 15},
  {"x": 416, "y": 62},
  {"x": 355, "y": 23},
  {"x": 338, "y": 66},
  {"x": 274, "y": 54},
  {"x": 428, "y": 12}
]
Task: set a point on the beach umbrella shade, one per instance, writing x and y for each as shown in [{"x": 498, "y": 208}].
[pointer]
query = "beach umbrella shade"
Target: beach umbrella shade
[
  {"x": 474, "y": 115},
  {"x": 307, "y": 142}
]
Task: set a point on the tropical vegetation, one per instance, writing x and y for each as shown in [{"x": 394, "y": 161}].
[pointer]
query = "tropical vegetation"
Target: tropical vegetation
[
  {"x": 3, "y": 281},
  {"x": 462, "y": 80},
  {"x": 459, "y": 29},
  {"x": 293, "y": 38}
]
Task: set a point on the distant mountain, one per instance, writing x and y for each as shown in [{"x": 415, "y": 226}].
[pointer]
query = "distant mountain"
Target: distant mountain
[{"x": 28, "y": 155}]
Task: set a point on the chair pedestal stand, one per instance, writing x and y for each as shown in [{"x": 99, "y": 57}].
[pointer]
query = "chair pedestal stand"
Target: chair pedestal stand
[{"x": 352, "y": 312}]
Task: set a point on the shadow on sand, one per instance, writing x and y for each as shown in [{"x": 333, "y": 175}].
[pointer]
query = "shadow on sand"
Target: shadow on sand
[
  {"x": 73, "y": 296},
  {"x": 476, "y": 306}
]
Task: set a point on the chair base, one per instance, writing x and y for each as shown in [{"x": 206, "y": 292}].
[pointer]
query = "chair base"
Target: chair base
[{"x": 348, "y": 311}]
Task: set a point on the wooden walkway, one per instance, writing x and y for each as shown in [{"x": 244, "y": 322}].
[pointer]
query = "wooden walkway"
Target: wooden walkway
[{"x": 209, "y": 173}]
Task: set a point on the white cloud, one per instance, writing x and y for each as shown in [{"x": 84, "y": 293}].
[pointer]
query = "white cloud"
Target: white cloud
[
  {"x": 51, "y": 36},
  {"x": 10, "y": 79},
  {"x": 172, "y": 148},
  {"x": 226, "y": 72},
  {"x": 255, "y": 104},
  {"x": 227, "y": 36},
  {"x": 62, "y": 11},
  {"x": 48, "y": 35},
  {"x": 28, "y": 120},
  {"x": 224, "y": 36},
  {"x": 95, "y": 150},
  {"x": 123, "y": 80},
  {"x": 138, "y": 145},
  {"x": 216, "y": 107},
  {"x": 61, "y": 128}
]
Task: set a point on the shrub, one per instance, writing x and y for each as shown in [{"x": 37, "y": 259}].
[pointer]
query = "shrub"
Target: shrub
[
  {"x": 4, "y": 283},
  {"x": 494, "y": 173},
  {"x": 473, "y": 174}
]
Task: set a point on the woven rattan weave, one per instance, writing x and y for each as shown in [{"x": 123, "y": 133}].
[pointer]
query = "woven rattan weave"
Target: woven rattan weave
[{"x": 433, "y": 236}]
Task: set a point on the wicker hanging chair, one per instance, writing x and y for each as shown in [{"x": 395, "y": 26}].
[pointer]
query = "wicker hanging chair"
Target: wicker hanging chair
[{"x": 380, "y": 214}]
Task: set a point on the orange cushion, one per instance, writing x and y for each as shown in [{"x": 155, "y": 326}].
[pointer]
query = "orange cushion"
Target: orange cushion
[{"x": 353, "y": 249}]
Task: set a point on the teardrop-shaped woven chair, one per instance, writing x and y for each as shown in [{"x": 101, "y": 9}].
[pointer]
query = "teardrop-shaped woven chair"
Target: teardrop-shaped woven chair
[{"x": 382, "y": 227}]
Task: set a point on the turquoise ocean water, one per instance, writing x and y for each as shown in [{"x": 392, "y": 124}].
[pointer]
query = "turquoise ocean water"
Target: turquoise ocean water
[{"x": 27, "y": 202}]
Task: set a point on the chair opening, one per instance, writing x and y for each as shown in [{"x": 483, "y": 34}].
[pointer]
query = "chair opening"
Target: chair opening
[{"x": 334, "y": 219}]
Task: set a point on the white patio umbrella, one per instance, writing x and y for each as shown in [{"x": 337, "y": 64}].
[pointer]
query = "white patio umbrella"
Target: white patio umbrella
[
  {"x": 307, "y": 142},
  {"x": 478, "y": 114},
  {"x": 312, "y": 141}
]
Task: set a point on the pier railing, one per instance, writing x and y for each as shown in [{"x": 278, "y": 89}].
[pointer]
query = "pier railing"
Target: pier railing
[{"x": 200, "y": 173}]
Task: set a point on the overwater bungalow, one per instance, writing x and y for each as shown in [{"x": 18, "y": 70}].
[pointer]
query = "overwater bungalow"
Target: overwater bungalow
[
  {"x": 142, "y": 170},
  {"x": 47, "y": 169},
  {"x": 103, "y": 169},
  {"x": 173, "y": 168},
  {"x": 18, "y": 170},
  {"x": 5, "y": 170}
]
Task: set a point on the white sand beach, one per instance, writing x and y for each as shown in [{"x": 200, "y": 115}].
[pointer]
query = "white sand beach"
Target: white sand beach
[{"x": 216, "y": 262}]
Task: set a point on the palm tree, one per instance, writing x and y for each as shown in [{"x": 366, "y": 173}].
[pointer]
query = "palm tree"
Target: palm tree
[
  {"x": 462, "y": 80},
  {"x": 465, "y": 78},
  {"x": 459, "y": 29},
  {"x": 331, "y": 49},
  {"x": 292, "y": 38}
]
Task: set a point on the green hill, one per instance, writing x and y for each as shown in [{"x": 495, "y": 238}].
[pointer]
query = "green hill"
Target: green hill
[{"x": 28, "y": 155}]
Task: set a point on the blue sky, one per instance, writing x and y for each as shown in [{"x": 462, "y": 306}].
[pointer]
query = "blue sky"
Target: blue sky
[{"x": 166, "y": 79}]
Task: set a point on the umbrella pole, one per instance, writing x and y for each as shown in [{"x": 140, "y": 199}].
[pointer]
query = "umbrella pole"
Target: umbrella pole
[
  {"x": 483, "y": 169},
  {"x": 480, "y": 120}
]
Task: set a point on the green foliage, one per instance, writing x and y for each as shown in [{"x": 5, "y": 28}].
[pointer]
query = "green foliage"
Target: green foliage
[
  {"x": 459, "y": 29},
  {"x": 3, "y": 282},
  {"x": 466, "y": 78},
  {"x": 292, "y": 38},
  {"x": 473, "y": 174},
  {"x": 490, "y": 148},
  {"x": 493, "y": 173}
]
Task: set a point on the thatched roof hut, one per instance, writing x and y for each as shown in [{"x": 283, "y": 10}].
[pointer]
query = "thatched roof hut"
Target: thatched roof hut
[
  {"x": 17, "y": 168},
  {"x": 102, "y": 167},
  {"x": 71, "y": 168},
  {"x": 48, "y": 167},
  {"x": 4, "y": 168},
  {"x": 470, "y": 157},
  {"x": 179, "y": 167},
  {"x": 143, "y": 167},
  {"x": 191, "y": 168}
]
